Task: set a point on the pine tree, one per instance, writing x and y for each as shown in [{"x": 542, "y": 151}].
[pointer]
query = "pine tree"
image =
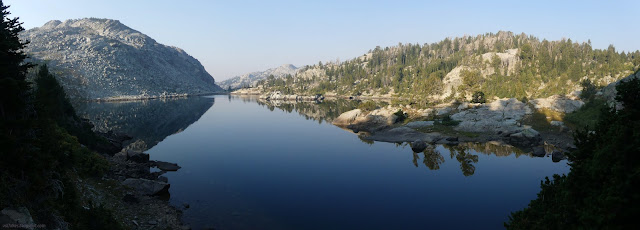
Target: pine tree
[{"x": 13, "y": 86}]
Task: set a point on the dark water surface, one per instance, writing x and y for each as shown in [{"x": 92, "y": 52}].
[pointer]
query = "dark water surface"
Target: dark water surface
[{"x": 248, "y": 165}]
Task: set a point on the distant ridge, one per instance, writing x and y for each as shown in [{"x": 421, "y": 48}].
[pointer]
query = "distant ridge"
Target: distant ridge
[{"x": 251, "y": 79}]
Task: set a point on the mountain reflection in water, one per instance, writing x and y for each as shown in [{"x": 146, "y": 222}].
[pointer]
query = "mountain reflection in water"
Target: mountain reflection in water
[
  {"x": 250, "y": 164},
  {"x": 147, "y": 121}
]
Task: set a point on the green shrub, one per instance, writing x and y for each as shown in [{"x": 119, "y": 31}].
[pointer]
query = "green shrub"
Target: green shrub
[
  {"x": 478, "y": 97},
  {"x": 447, "y": 121},
  {"x": 588, "y": 115},
  {"x": 401, "y": 116}
]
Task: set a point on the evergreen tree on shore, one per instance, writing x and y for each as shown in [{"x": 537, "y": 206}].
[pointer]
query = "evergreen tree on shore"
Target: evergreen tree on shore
[{"x": 600, "y": 191}]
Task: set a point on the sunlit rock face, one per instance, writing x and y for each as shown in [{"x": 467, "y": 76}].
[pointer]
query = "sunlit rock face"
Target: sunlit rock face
[{"x": 103, "y": 58}]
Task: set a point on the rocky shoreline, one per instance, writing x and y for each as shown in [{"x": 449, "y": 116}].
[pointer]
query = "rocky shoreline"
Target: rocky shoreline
[
  {"x": 500, "y": 122},
  {"x": 142, "y": 97},
  {"x": 138, "y": 197}
]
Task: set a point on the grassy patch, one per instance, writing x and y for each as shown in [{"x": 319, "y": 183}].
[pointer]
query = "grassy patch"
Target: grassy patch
[
  {"x": 587, "y": 115},
  {"x": 541, "y": 119}
]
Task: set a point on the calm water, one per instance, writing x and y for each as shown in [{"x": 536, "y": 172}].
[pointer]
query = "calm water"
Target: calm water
[{"x": 247, "y": 165}]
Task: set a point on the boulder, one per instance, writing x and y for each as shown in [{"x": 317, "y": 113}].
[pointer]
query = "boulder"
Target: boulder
[
  {"x": 16, "y": 216},
  {"x": 136, "y": 156},
  {"x": 526, "y": 137},
  {"x": 530, "y": 133},
  {"x": 557, "y": 156},
  {"x": 443, "y": 111},
  {"x": 463, "y": 105},
  {"x": 419, "y": 124},
  {"x": 166, "y": 166},
  {"x": 418, "y": 146},
  {"x": 538, "y": 151},
  {"x": 147, "y": 187},
  {"x": 347, "y": 118},
  {"x": 359, "y": 121},
  {"x": 557, "y": 123}
]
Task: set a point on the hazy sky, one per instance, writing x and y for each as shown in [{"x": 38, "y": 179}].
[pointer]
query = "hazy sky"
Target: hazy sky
[{"x": 235, "y": 37}]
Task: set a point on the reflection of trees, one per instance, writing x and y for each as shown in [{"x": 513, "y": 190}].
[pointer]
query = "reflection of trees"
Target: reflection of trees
[
  {"x": 493, "y": 148},
  {"x": 369, "y": 142},
  {"x": 465, "y": 158},
  {"x": 324, "y": 111},
  {"x": 466, "y": 162},
  {"x": 431, "y": 158}
]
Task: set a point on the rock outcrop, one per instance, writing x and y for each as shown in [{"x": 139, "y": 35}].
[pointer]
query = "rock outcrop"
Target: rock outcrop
[
  {"x": 609, "y": 92},
  {"x": 104, "y": 59},
  {"x": 499, "y": 115},
  {"x": 557, "y": 103},
  {"x": 357, "y": 120}
]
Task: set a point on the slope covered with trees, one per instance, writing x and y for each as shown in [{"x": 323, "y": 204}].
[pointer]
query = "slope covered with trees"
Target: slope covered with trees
[
  {"x": 499, "y": 64},
  {"x": 41, "y": 159}
]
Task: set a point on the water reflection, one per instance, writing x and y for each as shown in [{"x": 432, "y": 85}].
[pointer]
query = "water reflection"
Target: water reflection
[
  {"x": 465, "y": 154},
  {"x": 147, "y": 121},
  {"x": 324, "y": 111}
]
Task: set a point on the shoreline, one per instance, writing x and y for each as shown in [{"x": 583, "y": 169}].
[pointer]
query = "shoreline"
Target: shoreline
[
  {"x": 139, "y": 197},
  {"x": 139, "y": 98}
]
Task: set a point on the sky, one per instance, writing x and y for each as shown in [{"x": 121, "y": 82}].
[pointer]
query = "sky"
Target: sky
[{"x": 232, "y": 38}]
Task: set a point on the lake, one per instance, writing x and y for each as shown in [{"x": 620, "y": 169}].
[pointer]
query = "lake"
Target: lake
[{"x": 251, "y": 165}]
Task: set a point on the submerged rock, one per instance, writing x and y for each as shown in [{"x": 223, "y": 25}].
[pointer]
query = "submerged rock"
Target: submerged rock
[
  {"x": 147, "y": 187},
  {"x": 166, "y": 166}
]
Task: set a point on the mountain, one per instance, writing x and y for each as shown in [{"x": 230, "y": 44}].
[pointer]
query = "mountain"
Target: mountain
[
  {"x": 502, "y": 64},
  {"x": 250, "y": 79},
  {"x": 102, "y": 58}
]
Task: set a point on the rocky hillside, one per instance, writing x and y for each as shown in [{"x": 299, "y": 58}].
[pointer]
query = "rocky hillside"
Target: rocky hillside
[
  {"x": 104, "y": 59},
  {"x": 251, "y": 79},
  {"x": 503, "y": 65}
]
